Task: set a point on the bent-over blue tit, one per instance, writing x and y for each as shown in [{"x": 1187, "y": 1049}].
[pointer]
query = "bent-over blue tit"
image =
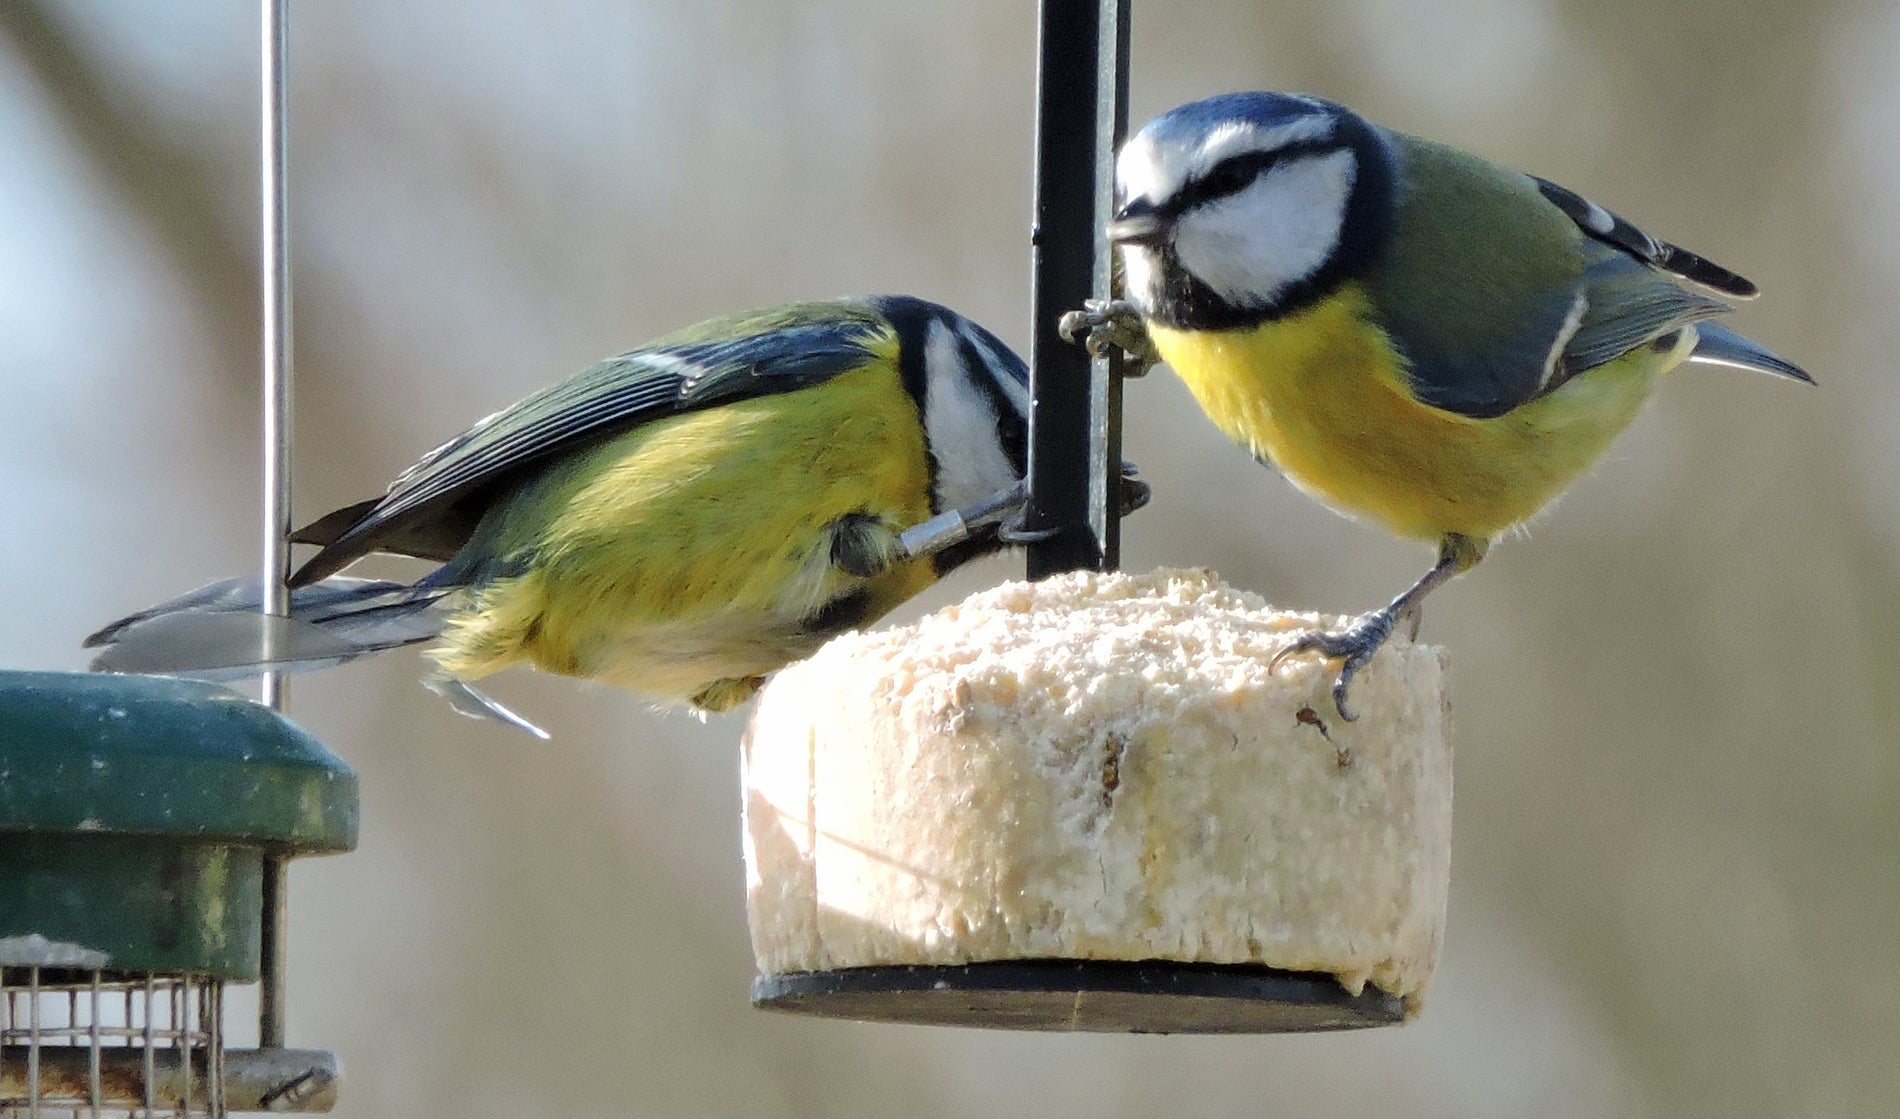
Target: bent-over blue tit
[
  {"x": 679, "y": 520},
  {"x": 1409, "y": 333}
]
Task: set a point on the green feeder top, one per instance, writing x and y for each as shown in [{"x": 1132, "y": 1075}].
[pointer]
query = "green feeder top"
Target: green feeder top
[{"x": 149, "y": 755}]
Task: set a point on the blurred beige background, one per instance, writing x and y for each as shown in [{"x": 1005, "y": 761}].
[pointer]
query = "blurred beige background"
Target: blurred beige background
[{"x": 1676, "y": 889}]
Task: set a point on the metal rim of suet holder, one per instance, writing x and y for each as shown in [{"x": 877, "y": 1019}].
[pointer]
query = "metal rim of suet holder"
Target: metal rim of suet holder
[
  {"x": 146, "y": 827},
  {"x": 1071, "y": 522}
]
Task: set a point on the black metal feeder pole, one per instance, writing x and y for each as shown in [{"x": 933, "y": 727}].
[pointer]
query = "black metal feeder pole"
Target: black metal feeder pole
[{"x": 1075, "y": 402}]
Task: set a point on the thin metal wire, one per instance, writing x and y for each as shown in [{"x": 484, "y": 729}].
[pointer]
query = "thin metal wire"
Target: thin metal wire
[
  {"x": 181, "y": 1020},
  {"x": 214, "y": 1017},
  {"x": 72, "y": 1016},
  {"x": 95, "y": 1076},
  {"x": 274, "y": 205},
  {"x": 33, "y": 1044},
  {"x": 149, "y": 1090}
]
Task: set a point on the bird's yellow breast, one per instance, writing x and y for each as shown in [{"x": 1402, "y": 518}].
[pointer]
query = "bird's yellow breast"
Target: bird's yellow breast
[
  {"x": 1324, "y": 396},
  {"x": 696, "y": 547}
]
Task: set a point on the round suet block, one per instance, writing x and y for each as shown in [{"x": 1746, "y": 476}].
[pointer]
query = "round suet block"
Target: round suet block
[{"x": 1085, "y": 803}]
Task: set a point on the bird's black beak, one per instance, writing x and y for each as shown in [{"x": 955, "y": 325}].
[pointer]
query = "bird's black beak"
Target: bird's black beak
[{"x": 1137, "y": 223}]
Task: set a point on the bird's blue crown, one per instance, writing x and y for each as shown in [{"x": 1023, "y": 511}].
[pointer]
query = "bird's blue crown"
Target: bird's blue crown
[{"x": 1260, "y": 108}]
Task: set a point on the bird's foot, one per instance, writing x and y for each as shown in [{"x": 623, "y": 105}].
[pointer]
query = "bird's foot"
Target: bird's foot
[
  {"x": 1352, "y": 647},
  {"x": 724, "y": 695},
  {"x": 1103, "y": 323}
]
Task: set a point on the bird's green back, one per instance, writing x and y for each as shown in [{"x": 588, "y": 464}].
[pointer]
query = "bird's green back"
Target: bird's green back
[{"x": 1477, "y": 278}]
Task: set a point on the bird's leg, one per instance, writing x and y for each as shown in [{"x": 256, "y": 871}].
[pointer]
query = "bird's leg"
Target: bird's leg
[
  {"x": 1356, "y": 644},
  {"x": 1001, "y": 510},
  {"x": 953, "y": 526},
  {"x": 1102, "y": 323},
  {"x": 1412, "y": 619}
]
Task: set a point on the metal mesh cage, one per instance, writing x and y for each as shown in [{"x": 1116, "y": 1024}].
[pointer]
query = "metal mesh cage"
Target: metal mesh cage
[{"x": 91, "y": 1043}]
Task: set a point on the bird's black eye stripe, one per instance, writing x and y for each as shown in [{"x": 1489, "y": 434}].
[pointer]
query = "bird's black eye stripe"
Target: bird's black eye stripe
[
  {"x": 1236, "y": 173},
  {"x": 1012, "y": 428}
]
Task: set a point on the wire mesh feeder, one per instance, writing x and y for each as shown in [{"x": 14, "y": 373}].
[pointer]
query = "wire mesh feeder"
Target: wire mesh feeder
[
  {"x": 76, "y": 1042},
  {"x": 138, "y": 820}
]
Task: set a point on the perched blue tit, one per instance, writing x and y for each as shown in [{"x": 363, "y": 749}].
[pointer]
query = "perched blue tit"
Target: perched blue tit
[
  {"x": 1407, "y": 332},
  {"x": 679, "y": 520}
]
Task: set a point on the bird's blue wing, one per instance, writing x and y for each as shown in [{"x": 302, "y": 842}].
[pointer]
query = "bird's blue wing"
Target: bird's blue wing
[
  {"x": 432, "y": 507},
  {"x": 1606, "y": 227},
  {"x": 1616, "y": 305},
  {"x": 1626, "y": 303},
  {"x": 1479, "y": 282},
  {"x": 1633, "y": 285},
  {"x": 1492, "y": 376},
  {"x": 1483, "y": 344}
]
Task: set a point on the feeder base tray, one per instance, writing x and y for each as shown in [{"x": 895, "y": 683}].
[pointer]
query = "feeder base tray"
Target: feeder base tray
[{"x": 1099, "y": 996}]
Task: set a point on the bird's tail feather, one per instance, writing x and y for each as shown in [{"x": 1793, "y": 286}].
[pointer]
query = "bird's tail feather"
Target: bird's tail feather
[
  {"x": 1718, "y": 345},
  {"x": 218, "y": 632}
]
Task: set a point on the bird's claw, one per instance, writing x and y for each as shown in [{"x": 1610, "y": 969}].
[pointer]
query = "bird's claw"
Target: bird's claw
[
  {"x": 1133, "y": 492},
  {"x": 1352, "y": 647},
  {"x": 1106, "y": 323}
]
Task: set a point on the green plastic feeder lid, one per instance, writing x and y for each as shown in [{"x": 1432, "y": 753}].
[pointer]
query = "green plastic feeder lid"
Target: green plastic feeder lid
[
  {"x": 136, "y": 813},
  {"x": 152, "y": 755}
]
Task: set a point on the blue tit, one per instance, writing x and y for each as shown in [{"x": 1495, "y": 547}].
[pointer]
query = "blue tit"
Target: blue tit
[
  {"x": 1410, "y": 334},
  {"x": 679, "y": 520}
]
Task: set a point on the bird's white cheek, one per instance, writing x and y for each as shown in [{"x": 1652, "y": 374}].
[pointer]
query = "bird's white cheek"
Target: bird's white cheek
[
  {"x": 961, "y": 426},
  {"x": 1141, "y": 276},
  {"x": 1251, "y": 246}
]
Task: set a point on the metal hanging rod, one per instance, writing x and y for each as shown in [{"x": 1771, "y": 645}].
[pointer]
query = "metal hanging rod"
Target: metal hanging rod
[{"x": 274, "y": 199}]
